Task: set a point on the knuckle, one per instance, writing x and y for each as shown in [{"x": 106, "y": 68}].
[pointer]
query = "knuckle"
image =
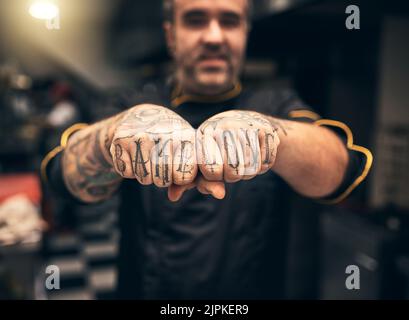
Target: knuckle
[
  {"x": 181, "y": 180},
  {"x": 212, "y": 172},
  {"x": 161, "y": 184},
  {"x": 231, "y": 178}
]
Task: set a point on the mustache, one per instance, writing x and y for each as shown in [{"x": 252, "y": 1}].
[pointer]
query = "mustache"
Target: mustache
[{"x": 208, "y": 55}]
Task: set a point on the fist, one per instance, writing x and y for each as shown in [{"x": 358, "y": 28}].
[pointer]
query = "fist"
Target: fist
[
  {"x": 236, "y": 145},
  {"x": 154, "y": 145}
]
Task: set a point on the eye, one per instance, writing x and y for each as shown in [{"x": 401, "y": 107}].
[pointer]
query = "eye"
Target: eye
[
  {"x": 195, "y": 19},
  {"x": 230, "y": 20}
]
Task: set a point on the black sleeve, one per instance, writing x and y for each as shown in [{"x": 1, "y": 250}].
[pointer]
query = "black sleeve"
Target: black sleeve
[
  {"x": 359, "y": 161},
  {"x": 292, "y": 107},
  {"x": 359, "y": 158}
]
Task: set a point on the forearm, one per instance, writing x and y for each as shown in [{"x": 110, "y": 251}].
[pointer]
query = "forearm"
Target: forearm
[
  {"x": 87, "y": 165},
  {"x": 311, "y": 159}
]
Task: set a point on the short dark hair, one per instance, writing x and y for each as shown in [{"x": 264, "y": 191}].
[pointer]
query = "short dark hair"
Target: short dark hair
[{"x": 169, "y": 10}]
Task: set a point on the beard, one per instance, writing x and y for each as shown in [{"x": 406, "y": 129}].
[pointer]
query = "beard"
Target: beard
[{"x": 207, "y": 73}]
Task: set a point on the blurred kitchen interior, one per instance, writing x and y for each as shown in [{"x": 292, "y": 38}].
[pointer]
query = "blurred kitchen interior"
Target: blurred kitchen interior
[{"x": 56, "y": 74}]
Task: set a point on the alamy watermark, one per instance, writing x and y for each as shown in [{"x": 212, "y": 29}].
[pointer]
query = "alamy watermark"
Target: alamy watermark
[
  {"x": 352, "y": 22},
  {"x": 53, "y": 24},
  {"x": 52, "y": 282},
  {"x": 353, "y": 281}
]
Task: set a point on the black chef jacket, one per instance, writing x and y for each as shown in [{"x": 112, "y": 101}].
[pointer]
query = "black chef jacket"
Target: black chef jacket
[{"x": 201, "y": 247}]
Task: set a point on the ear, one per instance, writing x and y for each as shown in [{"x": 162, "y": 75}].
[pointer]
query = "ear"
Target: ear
[{"x": 169, "y": 37}]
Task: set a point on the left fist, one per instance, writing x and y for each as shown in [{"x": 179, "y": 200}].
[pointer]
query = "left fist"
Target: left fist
[{"x": 236, "y": 145}]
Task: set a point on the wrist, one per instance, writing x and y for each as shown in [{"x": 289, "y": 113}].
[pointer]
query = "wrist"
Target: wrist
[{"x": 281, "y": 127}]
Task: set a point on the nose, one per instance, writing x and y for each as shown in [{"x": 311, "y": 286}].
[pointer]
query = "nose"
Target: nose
[{"x": 213, "y": 35}]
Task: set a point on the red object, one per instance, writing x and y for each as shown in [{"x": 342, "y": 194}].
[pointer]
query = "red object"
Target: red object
[
  {"x": 61, "y": 91},
  {"x": 27, "y": 183}
]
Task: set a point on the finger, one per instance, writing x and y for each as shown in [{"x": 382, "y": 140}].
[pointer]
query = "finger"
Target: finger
[
  {"x": 209, "y": 157},
  {"x": 269, "y": 141},
  {"x": 140, "y": 151},
  {"x": 121, "y": 158},
  {"x": 232, "y": 154},
  {"x": 175, "y": 192},
  {"x": 251, "y": 152},
  {"x": 184, "y": 158},
  {"x": 215, "y": 188},
  {"x": 161, "y": 161}
]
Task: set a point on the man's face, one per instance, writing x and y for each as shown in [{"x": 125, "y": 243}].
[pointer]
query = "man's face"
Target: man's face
[{"x": 208, "y": 40}]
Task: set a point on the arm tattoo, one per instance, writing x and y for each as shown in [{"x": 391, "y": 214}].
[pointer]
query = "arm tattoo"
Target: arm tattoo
[{"x": 87, "y": 166}]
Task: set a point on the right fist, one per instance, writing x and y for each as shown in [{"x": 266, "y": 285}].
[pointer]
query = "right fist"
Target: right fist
[{"x": 154, "y": 145}]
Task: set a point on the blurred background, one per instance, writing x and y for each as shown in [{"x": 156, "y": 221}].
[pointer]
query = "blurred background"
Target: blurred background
[{"x": 58, "y": 72}]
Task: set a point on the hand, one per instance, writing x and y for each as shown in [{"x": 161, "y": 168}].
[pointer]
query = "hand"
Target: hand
[
  {"x": 154, "y": 145},
  {"x": 236, "y": 145}
]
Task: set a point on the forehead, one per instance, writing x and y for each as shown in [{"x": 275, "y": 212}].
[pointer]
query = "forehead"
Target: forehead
[{"x": 238, "y": 6}]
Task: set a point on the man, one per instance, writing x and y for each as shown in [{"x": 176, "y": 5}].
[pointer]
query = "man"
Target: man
[{"x": 203, "y": 132}]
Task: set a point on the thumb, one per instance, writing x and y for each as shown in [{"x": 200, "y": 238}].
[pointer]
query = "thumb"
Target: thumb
[
  {"x": 175, "y": 191},
  {"x": 215, "y": 188}
]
